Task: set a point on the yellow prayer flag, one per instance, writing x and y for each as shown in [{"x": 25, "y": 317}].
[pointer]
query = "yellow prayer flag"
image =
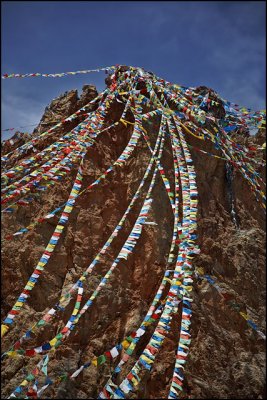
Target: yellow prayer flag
[
  {"x": 12, "y": 354},
  {"x": 122, "y": 120},
  {"x": 94, "y": 361},
  {"x": 244, "y": 315},
  {"x": 53, "y": 342},
  {"x": 125, "y": 344},
  {"x": 132, "y": 346},
  {"x": 4, "y": 329},
  {"x": 135, "y": 381},
  {"x": 41, "y": 264},
  {"x": 146, "y": 359}
]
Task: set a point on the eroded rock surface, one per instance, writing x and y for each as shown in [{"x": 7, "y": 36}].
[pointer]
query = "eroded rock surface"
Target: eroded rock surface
[{"x": 227, "y": 358}]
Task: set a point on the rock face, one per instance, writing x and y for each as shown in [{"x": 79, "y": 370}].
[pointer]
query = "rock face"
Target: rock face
[
  {"x": 18, "y": 139},
  {"x": 63, "y": 106},
  {"x": 59, "y": 109},
  {"x": 227, "y": 357}
]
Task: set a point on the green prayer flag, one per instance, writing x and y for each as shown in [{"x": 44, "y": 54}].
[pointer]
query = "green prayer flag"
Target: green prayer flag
[
  {"x": 101, "y": 360},
  {"x": 59, "y": 336},
  {"x": 177, "y": 386},
  {"x": 30, "y": 377}
]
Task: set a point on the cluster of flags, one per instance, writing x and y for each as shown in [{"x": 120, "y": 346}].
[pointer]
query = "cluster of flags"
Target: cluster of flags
[{"x": 180, "y": 110}]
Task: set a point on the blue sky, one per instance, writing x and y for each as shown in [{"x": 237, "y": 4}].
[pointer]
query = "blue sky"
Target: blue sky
[{"x": 217, "y": 44}]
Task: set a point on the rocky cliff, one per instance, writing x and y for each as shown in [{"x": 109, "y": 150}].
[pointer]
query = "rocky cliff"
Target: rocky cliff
[{"x": 227, "y": 357}]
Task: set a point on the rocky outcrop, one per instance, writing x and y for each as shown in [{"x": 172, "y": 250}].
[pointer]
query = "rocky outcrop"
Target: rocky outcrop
[
  {"x": 227, "y": 358},
  {"x": 63, "y": 106},
  {"x": 18, "y": 139},
  {"x": 59, "y": 109}
]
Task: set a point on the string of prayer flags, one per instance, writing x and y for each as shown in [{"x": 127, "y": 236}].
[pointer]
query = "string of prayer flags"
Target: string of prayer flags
[
  {"x": 30, "y": 144},
  {"x": 58, "y": 75},
  {"x": 66, "y": 298},
  {"x": 184, "y": 267},
  {"x": 48, "y": 171},
  {"x": 60, "y": 146},
  {"x": 147, "y": 358},
  {"x": 98, "y": 115},
  {"x": 114, "y": 352},
  {"x": 41, "y": 367},
  {"x": 126, "y": 249},
  {"x": 154, "y": 312},
  {"x": 52, "y": 213},
  {"x": 124, "y": 156},
  {"x": 49, "y": 249},
  {"x": 186, "y": 279},
  {"x": 235, "y": 306},
  {"x": 181, "y": 111},
  {"x": 160, "y": 168},
  {"x": 124, "y": 252}
]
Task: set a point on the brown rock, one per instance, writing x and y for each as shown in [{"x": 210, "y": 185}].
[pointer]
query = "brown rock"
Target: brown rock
[{"x": 227, "y": 357}]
